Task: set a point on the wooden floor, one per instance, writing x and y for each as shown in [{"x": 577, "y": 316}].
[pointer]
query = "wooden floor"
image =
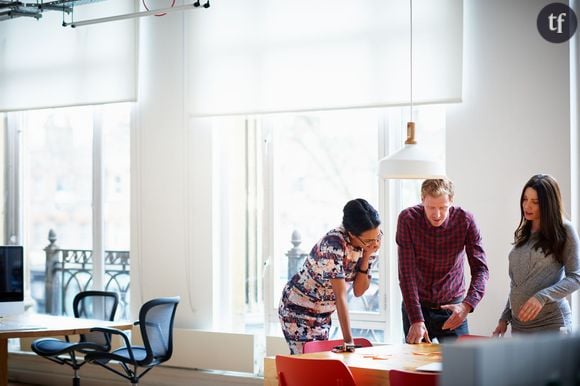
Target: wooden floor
[{"x": 20, "y": 384}]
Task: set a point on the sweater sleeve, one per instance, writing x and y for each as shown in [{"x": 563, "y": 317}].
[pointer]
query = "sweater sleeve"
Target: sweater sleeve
[
  {"x": 477, "y": 263},
  {"x": 571, "y": 280}
]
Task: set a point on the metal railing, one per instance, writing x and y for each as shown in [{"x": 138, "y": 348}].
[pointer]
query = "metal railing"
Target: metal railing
[{"x": 70, "y": 271}]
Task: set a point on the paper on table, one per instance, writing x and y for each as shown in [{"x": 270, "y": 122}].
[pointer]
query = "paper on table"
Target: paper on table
[{"x": 434, "y": 367}]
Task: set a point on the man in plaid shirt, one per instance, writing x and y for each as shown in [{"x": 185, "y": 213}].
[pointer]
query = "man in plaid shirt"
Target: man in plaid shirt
[{"x": 433, "y": 238}]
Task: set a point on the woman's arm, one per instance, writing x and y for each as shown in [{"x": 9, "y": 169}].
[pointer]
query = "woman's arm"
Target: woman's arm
[
  {"x": 571, "y": 280},
  {"x": 339, "y": 288},
  {"x": 362, "y": 280}
]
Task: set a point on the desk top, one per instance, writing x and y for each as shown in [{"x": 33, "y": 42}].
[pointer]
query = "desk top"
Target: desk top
[
  {"x": 33, "y": 325},
  {"x": 370, "y": 365}
]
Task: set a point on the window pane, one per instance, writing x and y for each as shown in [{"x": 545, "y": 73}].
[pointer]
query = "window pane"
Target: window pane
[
  {"x": 321, "y": 161},
  {"x": 57, "y": 179},
  {"x": 116, "y": 126},
  {"x": 116, "y": 158},
  {"x": 57, "y": 185}
]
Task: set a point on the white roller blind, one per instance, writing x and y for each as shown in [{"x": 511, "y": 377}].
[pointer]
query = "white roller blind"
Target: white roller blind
[
  {"x": 43, "y": 64},
  {"x": 286, "y": 55}
]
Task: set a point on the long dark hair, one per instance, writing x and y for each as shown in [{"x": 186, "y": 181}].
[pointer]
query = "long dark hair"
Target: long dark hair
[
  {"x": 359, "y": 216},
  {"x": 552, "y": 234}
]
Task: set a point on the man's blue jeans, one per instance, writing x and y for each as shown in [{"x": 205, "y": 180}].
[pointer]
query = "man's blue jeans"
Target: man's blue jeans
[{"x": 434, "y": 319}]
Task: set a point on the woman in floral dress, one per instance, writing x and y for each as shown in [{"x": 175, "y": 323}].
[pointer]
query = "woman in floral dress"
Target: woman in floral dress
[{"x": 343, "y": 257}]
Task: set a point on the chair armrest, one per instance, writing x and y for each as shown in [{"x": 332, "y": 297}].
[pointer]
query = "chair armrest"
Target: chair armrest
[{"x": 113, "y": 331}]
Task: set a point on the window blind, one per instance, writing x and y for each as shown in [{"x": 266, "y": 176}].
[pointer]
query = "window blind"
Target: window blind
[
  {"x": 43, "y": 64},
  {"x": 259, "y": 56}
]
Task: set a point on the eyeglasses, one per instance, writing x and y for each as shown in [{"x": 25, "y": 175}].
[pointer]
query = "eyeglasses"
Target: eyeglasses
[{"x": 368, "y": 242}]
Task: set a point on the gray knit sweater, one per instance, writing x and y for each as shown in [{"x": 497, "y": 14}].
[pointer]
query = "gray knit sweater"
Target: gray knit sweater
[{"x": 533, "y": 273}]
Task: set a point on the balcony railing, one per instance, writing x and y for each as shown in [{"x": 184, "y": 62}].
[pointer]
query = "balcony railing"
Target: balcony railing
[{"x": 70, "y": 271}]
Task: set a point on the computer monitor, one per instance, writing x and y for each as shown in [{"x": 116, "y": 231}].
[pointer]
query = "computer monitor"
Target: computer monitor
[{"x": 11, "y": 280}]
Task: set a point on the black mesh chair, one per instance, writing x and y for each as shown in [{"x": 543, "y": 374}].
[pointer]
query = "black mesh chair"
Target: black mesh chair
[
  {"x": 89, "y": 305},
  {"x": 156, "y": 326}
]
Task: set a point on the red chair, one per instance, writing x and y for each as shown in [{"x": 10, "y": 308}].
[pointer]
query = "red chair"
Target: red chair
[
  {"x": 471, "y": 337},
  {"x": 298, "y": 371},
  {"x": 412, "y": 378},
  {"x": 328, "y": 345}
]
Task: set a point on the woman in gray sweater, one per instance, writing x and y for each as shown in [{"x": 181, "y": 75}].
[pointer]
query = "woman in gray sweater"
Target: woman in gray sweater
[{"x": 544, "y": 264}]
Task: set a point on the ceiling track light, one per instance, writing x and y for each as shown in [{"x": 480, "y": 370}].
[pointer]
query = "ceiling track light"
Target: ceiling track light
[
  {"x": 413, "y": 161},
  {"x": 186, "y": 7}
]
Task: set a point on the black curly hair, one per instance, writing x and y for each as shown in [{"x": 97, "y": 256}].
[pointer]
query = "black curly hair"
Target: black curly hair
[{"x": 359, "y": 216}]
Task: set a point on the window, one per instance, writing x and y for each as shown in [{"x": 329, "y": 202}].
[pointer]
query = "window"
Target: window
[
  {"x": 318, "y": 162},
  {"x": 298, "y": 172},
  {"x": 53, "y": 155}
]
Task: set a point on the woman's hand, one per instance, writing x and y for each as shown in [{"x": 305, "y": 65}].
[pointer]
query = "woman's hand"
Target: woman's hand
[
  {"x": 500, "y": 329},
  {"x": 530, "y": 309},
  {"x": 371, "y": 249}
]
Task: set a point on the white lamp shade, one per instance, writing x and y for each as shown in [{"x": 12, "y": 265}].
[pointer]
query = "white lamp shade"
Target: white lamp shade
[{"x": 410, "y": 162}]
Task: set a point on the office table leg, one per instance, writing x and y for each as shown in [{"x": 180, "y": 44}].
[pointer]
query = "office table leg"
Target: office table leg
[{"x": 3, "y": 362}]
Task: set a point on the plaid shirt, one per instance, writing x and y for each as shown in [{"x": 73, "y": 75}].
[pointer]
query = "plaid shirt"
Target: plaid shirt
[{"x": 431, "y": 259}]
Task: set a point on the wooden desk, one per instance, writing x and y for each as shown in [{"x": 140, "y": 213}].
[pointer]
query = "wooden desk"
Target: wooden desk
[
  {"x": 370, "y": 365},
  {"x": 39, "y": 325}
]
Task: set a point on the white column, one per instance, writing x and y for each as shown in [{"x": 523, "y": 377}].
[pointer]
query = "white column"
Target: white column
[
  {"x": 575, "y": 145},
  {"x": 171, "y": 209}
]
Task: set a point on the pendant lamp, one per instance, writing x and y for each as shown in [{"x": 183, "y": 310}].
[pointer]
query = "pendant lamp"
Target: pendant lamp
[{"x": 413, "y": 160}]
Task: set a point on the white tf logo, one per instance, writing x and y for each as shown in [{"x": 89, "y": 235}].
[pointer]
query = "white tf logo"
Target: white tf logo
[{"x": 557, "y": 22}]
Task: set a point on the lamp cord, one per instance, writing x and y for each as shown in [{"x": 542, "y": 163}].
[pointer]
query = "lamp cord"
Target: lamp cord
[{"x": 411, "y": 57}]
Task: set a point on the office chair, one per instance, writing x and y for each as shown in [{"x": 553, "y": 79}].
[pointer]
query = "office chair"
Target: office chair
[
  {"x": 156, "y": 326},
  {"x": 406, "y": 378},
  {"x": 89, "y": 305},
  {"x": 328, "y": 345},
  {"x": 296, "y": 371}
]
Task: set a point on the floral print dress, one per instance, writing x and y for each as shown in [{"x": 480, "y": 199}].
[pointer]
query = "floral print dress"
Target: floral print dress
[{"x": 308, "y": 300}]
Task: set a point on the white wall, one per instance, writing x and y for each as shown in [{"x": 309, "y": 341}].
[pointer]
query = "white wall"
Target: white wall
[
  {"x": 513, "y": 123},
  {"x": 171, "y": 182}
]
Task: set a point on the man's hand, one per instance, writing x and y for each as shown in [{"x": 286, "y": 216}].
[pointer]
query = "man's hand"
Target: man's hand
[
  {"x": 417, "y": 333},
  {"x": 530, "y": 309},
  {"x": 459, "y": 313}
]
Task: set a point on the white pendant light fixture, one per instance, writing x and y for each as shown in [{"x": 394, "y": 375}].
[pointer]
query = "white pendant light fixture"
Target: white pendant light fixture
[{"x": 413, "y": 160}]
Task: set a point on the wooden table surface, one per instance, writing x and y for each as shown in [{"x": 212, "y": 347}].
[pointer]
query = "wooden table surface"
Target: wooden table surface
[
  {"x": 40, "y": 325},
  {"x": 370, "y": 365}
]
